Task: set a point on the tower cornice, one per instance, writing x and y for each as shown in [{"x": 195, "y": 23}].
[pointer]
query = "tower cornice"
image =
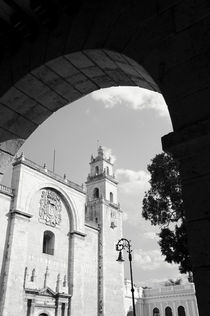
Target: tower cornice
[
  {"x": 98, "y": 158},
  {"x": 100, "y": 177}
]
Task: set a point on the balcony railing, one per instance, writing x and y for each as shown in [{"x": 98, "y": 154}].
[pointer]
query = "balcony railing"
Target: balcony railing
[
  {"x": 170, "y": 290},
  {"x": 6, "y": 190}
]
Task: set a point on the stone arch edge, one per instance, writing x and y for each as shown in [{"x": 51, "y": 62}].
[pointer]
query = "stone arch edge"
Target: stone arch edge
[{"x": 75, "y": 222}]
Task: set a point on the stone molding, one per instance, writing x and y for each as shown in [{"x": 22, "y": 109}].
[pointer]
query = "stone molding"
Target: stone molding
[
  {"x": 100, "y": 177},
  {"x": 92, "y": 225},
  {"x": 6, "y": 190},
  {"x": 21, "y": 214},
  {"x": 77, "y": 233},
  {"x": 49, "y": 173},
  {"x": 165, "y": 296}
]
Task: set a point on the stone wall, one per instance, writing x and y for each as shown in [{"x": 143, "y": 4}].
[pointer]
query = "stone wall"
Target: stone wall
[
  {"x": 113, "y": 271},
  {"x": 162, "y": 297},
  {"x": 27, "y": 266},
  {"x": 5, "y": 203},
  {"x": 90, "y": 263}
]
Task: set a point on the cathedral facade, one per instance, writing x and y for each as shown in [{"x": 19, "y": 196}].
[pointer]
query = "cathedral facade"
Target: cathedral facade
[{"x": 57, "y": 250}]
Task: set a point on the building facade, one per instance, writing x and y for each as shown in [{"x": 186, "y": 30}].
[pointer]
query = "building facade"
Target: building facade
[
  {"x": 57, "y": 250},
  {"x": 178, "y": 300}
]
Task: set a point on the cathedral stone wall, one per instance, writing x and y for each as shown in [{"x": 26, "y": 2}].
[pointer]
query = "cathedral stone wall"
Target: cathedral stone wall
[
  {"x": 113, "y": 271},
  {"x": 61, "y": 244},
  {"x": 90, "y": 261},
  {"x": 42, "y": 207},
  {"x": 5, "y": 202},
  {"x": 12, "y": 299},
  {"x": 27, "y": 180},
  {"x": 110, "y": 189},
  {"x": 50, "y": 269}
]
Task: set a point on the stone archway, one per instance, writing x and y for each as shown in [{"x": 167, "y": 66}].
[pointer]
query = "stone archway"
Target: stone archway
[
  {"x": 166, "y": 41},
  {"x": 51, "y": 86}
]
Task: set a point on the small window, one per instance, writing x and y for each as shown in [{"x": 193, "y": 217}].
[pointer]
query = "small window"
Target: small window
[
  {"x": 48, "y": 242},
  {"x": 111, "y": 196},
  {"x": 96, "y": 170},
  {"x": 181, "y": 311},
  {"x": 96, "y": 193},
  {"x": 107, "y": 170},
  {"x": 168, "y": 311},
  {"x": 156, "y": 312}
]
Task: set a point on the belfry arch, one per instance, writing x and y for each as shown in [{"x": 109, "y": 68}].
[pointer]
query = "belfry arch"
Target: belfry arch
[{"x": 107, "y": 43}]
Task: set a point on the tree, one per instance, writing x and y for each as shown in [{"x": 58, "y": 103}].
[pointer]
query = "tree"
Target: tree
[{"x": 163, "y": 207}]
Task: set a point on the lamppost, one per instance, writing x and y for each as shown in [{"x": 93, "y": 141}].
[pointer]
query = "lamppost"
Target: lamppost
[{"x": 122, "y": 244}]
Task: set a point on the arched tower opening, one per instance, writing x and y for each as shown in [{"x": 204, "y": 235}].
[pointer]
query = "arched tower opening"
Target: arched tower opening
[{"x": 96, "y": 193}]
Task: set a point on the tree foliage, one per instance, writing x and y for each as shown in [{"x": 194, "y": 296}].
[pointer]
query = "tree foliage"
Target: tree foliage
[{"x": 163, "y": 206}]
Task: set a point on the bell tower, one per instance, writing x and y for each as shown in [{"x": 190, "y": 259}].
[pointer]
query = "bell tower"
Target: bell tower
[
  {"x": 101, "y": 184},
  {"x": 103, "y": 210}
]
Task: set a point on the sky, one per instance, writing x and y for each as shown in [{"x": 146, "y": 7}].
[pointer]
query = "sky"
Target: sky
[{"x": 129, "y": 122}]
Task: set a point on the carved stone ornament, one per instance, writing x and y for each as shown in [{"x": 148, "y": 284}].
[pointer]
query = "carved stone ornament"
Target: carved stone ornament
[{"x": 50, "y": 208}]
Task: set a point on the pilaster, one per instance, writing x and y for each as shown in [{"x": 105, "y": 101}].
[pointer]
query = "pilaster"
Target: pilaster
[
  {"x": 12, "y": 299},
  {"x": 76, "y": 286}
]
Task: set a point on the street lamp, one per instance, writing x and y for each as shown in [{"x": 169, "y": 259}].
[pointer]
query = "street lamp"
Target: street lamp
[{"x": 122, "y": 244}]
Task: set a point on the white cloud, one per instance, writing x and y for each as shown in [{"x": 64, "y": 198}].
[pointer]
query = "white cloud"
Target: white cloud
[
  {"x": 157, "y": 283},
  {"x": 133, "y": 97},
  {"x": 151, "y": 235},
  {"x": 154, "y": 283},
  {"x": 108, "y": 153},
  {"x": 132, "y": 182},
  {"x": 149, "y": 260}
]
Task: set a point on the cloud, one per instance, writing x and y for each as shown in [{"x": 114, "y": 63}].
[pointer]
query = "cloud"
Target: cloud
[
  {"x": 151, "y": 235},
  {"x": 108, "y": 153},
  {"x": 149, "y": 260},
  {"x": 157, "y": 283},
  {"x": 134, "y": 98},
  {"x": 132, "y": 182},
  {"x": 154, "y": 282}
]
